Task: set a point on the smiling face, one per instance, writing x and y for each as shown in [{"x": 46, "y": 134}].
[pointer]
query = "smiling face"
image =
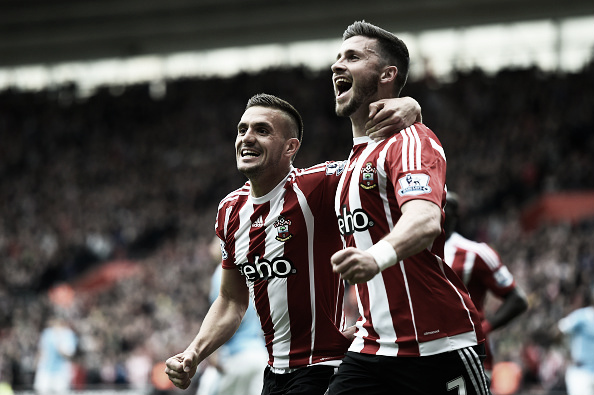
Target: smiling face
[
  {"x": 264, "y": 146},
  {"x": 356, "y": 75}
]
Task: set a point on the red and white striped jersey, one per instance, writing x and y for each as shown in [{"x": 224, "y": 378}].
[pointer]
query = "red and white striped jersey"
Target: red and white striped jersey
[
  {"x": 419, "y": 306},
  {"x": 282, "y": 243},
  {"x": 481, "y": 270},
  {"x": 479, "y": 267}
]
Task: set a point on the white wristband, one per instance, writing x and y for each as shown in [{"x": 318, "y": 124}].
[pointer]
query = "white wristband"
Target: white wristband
[{"x": 384, "y": 254}]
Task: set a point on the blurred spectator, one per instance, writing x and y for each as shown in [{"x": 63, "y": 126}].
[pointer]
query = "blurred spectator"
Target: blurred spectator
[
  {"x": 57, "y": 347},
  {"x": 138, "y": 366},
  {"x": 5, "y": 378},
  {"x": 579, "y": 327},
  {"x": 506, "y": 378}
]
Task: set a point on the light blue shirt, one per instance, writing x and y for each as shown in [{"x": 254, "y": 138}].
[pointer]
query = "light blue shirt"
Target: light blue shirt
[
  {"x": 249, "y": 334},
  {"x": 56, "y": 346},
  {"x": 579, "y": 326}
]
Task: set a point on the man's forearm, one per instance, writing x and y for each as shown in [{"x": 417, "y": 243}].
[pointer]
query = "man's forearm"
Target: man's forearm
[
  {"x": 415, "y": 230},
  {"x": 219, "y": 325},
  {"x": 514, "y": 304}
]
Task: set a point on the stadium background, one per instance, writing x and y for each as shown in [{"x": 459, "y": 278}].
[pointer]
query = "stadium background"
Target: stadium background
[{"x": 109, "y": 194}]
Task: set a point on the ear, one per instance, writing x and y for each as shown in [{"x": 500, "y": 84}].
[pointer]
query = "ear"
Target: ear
[
  {"x": 292, "y": 146},
  {"x": 389, "y": 74}
]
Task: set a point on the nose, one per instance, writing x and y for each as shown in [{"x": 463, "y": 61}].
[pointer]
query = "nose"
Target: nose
[
  {"x": 249, "y": 135},
  {"x": 337, "y": 65}
]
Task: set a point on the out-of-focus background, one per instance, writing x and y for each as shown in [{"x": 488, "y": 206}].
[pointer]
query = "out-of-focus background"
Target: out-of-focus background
[{"x": 117, "y": 122}]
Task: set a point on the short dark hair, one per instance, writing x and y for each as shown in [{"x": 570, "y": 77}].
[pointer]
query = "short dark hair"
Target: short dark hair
[
  {"x": 392, "y": 48},
  {"x": 270, "y": 101}
]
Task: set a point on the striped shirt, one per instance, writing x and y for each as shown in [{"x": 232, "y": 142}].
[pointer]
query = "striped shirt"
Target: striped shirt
[
  {"x": 282, "y": 243},
  {"x": 481, "y": 270},
  {"x": 419, "y": 306}
]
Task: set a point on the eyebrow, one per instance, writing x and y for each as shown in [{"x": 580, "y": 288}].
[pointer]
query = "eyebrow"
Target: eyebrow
[
  {"x": 347, "y": 52},
  {"x": 363, "y": 51},
  {"x": 257, "y": 124}
]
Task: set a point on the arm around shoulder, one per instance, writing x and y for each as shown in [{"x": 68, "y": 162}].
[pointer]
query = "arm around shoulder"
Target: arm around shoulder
[{"x": 389, "y": 116}]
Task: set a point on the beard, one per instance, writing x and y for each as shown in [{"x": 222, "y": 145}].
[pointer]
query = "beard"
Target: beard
[
  {"x": 250, "y": 172},
  {"x": 361, "y": 94},
  {"x": 256, "y": 171}
]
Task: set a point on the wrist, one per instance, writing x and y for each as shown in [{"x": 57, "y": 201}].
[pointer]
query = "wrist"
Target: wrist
[{"x": 384, "y": 254}]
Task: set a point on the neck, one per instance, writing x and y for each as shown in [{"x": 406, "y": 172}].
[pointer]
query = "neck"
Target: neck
[
  {"x": 358, "y": 121},
  {"x": 360, "y": 117},
  {"x": 262, "y": 184}
]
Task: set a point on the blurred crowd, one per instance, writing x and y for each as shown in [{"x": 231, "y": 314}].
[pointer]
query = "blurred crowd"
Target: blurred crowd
[{"x": 135, "y": 174}]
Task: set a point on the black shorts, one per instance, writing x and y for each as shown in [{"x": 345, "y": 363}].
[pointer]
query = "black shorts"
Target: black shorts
[
  {"x": 452, "y": 373},
  {"x": 311, "y": 380}
]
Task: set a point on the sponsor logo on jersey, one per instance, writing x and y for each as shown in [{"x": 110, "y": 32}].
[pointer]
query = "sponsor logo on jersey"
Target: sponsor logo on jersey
[
  {"x": 335, "y": 168},
  {"x": 414, "y": 184},
  {"x": 357, "y": 221},
  {"x": 282, "y": 228},
  {"x": 503, "y": 277},
  {"x": 224, "y": 254},
  {"x": 263, "y": 269},
  {"x": 368, "y": 176}
]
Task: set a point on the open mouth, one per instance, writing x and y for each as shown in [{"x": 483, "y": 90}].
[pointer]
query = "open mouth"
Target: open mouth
[
  {"x": 248, "y": 153},
  {"x": 342, "y": 85}
]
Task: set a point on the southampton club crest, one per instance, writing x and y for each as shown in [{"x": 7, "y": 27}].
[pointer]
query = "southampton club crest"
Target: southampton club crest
[
  {"x": 368, "y": 173},
  {"x": 282, "y": 228}
]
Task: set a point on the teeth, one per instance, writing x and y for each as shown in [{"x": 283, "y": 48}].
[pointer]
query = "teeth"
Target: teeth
[
  {"x": 342, "y": 85},
  {"x": 246, "y": 152}
]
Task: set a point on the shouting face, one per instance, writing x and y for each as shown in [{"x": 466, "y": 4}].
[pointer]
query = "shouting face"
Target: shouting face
[{"x": 356, "y": 74}]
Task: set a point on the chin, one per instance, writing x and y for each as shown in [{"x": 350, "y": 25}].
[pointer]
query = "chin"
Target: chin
[
  {"x": 344, "y": 110},
  {"x": 339, "y": 107},
  {"x": 248, "y": 171}
]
